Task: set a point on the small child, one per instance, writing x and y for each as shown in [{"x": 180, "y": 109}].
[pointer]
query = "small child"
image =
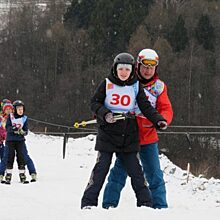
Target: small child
[
  {"x": 17, "y": 128},
  {"x": 116, "y": 95},
  {"x": 2, "y": 138},
  {"x": 7, "y": 108}
]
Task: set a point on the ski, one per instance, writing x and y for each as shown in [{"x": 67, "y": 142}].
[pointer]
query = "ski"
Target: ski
[
  {"x": 25, "y": 182},
  {"x": 7, "y": 183}
]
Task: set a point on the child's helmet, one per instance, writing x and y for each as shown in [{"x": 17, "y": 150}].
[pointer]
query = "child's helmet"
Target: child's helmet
[
  {"x": 18, "y": 103},
  {"x": 148, "y": 57},
  {"x": 124, "y": 58},
  {"x": 7, "y": 105},
  {"x": 4, "y": 101}
]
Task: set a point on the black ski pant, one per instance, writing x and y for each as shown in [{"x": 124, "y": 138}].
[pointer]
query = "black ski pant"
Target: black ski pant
[
  {"x": 100, "y": 170},
  {"x": 15, "y": 147}
]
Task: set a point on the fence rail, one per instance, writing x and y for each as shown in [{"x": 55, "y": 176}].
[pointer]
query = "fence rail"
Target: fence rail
[
  {"x": 86, "y": 131},
  {"x": 91, "y": 130}
]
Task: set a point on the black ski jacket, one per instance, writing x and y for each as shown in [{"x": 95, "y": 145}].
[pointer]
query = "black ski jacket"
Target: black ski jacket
[{"x": 121, "y": 136}]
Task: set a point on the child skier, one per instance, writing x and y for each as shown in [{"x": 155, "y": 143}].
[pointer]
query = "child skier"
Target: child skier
[
  {"x": 2, "y": 138},
  {"x": 116, "y": 95},
  {"x": 17, "y": 128},
  {"x": 6, "y": 110}
]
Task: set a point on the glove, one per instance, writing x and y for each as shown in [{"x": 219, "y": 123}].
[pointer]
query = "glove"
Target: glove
[
  {"x": 21, "y": 131},
  {"x": 14, "y": 128},
  {"x": 109, "y": 118},
  {"x": 162, "y": 125}
]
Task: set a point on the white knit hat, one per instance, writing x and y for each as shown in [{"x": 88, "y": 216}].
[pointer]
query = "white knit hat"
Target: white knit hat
[{"x": 124, "y": 65}]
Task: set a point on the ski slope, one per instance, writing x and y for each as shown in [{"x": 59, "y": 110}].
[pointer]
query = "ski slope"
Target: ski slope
[{"x": 57, "y": 193}]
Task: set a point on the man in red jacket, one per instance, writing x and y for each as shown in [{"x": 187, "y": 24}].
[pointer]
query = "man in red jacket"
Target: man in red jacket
[{"x": 156, "y": 93}]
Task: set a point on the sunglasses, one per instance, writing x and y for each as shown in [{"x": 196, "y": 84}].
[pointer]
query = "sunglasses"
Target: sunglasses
[{"x": 147, "y": 62}]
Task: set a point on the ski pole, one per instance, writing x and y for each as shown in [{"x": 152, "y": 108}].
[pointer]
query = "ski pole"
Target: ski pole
[
  {"x": 94, "y": 121},
  {"x": 65, "y": 140},
  {"x": 188, "y": 172},
  {"x": 84, "y": 123}
]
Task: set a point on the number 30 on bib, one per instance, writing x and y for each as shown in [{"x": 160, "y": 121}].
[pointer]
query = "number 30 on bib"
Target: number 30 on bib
[{"x": 123, "y": 100}]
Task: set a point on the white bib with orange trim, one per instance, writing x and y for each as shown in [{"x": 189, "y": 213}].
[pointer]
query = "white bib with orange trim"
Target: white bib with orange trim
[{"x": 121, "y": 99}]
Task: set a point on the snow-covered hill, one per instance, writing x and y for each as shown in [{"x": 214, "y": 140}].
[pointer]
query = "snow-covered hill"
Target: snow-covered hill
[{"x": 57, "y": 193}]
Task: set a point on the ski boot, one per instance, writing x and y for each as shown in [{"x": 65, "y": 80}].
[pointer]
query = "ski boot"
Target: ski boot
[
  {"x": 33, "y": 177},
  {"x": 23, "y": 178},
  {"x": 2, "y": 179},
  {"x": 109, "y": 207},
  {"x": 8, "y": 178},
  {"x": 88, "y": 207}
]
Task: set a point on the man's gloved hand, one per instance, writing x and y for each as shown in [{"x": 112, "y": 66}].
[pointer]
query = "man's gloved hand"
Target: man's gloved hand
[
  {"x": 109, "y": 118},
  {"x": 162, "y": 125}
]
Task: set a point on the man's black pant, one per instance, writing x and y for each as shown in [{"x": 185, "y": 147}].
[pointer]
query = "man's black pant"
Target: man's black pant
[
  {"x": 99, "y": 172},
  {"x": 15, "y": 146}
]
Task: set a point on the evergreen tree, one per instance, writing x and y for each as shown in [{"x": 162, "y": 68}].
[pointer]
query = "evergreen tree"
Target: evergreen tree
[
  {"x": 204, "y": 33},
  {"x": 178, "y": 37},
  {"x": 80, "y": 13}
]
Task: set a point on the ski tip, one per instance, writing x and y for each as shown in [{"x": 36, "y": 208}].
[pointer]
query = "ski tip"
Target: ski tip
[{"x": 7, "y": 183}]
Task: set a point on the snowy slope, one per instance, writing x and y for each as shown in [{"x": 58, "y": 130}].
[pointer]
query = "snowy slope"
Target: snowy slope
[{"x": 58, "y": 192}]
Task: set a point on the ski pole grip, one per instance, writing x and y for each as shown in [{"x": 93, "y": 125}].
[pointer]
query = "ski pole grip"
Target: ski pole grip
[
  {"x": 76, "y": 125},
  {"x": 83, "y": 123}
]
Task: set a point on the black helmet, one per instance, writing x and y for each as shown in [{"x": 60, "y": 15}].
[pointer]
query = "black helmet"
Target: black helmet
[
  {"x": 18, "y": 103},
  {"x": 125, "y": 58}
]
